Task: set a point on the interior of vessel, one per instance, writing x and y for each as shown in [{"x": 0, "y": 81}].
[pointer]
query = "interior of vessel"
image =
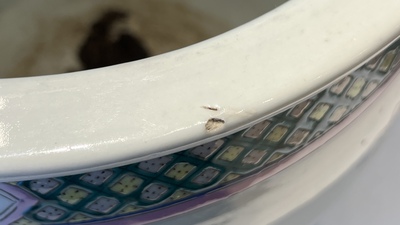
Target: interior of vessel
[{"x": 46, "y": 37}]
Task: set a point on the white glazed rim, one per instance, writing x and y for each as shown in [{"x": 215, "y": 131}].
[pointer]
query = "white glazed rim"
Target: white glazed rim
[{"x": 78, "y": 122}]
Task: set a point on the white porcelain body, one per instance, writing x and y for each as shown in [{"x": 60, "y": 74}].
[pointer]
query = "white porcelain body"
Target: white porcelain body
[{"x": 69, "y": 123}]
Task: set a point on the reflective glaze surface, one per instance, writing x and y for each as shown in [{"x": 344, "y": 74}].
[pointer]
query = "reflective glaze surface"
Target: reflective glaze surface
[
  {"x": 152, "y": 186},
  {"x": 134, "y": 108}
]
